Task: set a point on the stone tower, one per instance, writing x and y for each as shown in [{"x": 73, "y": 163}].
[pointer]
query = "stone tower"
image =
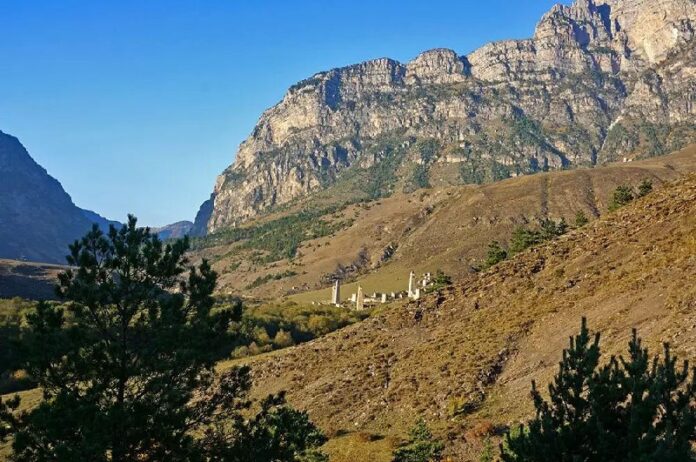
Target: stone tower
[
  {"x": 360, "y": 300},
  {"x": 336, "y": 293},
  {"x": 411, "y": 283}
]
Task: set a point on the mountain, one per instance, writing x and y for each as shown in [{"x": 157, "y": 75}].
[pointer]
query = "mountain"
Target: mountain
[
  {"x": 599, "y": 81},
  {"x": 299, "y": 251},
  {"x": 174, "y": 230},
  {"x": 38, "y": 219},
  {"x": 463, "y": 358}
]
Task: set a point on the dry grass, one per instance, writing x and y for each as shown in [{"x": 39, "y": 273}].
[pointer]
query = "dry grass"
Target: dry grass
[
  {"x": 447, "y": 228},
  {"x": 479, "y": 344}
]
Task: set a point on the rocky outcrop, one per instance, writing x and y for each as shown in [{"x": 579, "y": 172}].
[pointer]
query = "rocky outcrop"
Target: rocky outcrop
[
  {"x": 38, "y": 219},
  {"x": 598, "y": 81}
]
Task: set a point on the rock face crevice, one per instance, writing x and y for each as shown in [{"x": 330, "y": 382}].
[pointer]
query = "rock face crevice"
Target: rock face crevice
[{"x": 598, "y": 81}]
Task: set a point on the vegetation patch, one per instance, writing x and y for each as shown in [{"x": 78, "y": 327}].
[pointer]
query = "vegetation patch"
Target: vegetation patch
[
  {"x": 277, "y": 239},
  {"x": 261, "y": 280}
]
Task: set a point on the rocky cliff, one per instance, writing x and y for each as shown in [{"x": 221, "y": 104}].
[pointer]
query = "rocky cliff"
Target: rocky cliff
[
  {"x": 38, "y": 219},
  {"x": 598, "y": 81}
]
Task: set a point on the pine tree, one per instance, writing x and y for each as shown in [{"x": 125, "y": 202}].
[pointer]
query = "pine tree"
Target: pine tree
[
  {"x": 421, "y": 446},
  {"x": 622, "y": 195},
  {"x": 580, "y": 219},
  {"x": 629, "y": 409},
  {"x": 496, "y": 253},
  {"x": 522, "y": 239},
  {"x": 126, "y": 367},
  {"x": 645, "y": 187}
]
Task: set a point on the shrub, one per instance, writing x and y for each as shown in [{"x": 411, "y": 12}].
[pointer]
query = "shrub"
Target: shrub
[{"x": 523, "y": 238}]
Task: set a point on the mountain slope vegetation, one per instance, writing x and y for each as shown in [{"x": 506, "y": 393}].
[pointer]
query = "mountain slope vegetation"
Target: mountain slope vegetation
[
  {"x": 377, "y": 243},
  {"x": 465, "y": 355}
]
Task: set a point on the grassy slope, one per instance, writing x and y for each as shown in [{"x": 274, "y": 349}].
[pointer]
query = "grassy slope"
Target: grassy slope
[
  {"x": 483, "y": 340},
  {"x": 465, "y": 219}
]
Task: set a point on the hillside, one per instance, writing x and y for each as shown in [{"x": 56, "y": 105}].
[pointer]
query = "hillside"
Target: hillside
[
  {"x": 599, "y": 81},
  {"x": 467, "y": 354},
  {"x": 32, "y": 281},
  {"x": 38, "y": 219},
  {"x": 442, "y": 227}
]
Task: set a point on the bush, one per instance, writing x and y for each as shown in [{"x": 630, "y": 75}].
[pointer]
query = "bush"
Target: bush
[{"x": 523, "y": 238}]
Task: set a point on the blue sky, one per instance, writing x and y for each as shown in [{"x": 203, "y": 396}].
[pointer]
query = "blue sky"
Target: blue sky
[{"x": 136, "y": 106}]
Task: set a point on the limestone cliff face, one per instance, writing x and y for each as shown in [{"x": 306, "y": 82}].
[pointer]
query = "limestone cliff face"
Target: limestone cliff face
[{"x": 598, "y": 81}]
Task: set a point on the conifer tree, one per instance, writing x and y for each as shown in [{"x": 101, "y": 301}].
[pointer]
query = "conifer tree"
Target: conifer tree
[
  {"x": 622, "y": 195},
  {"x": 496, "y": 253},
  {"x": 126, "y": 366},
  {"x": 580, "y": 219},
  {"x": 645, "y": 187},
  {"x": 421, "y": 446},
  {"x": 630, "y": 409}
]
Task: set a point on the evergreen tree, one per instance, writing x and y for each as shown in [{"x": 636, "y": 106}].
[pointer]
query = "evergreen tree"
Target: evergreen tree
[
  {"x": 421, "y": 446},
  {"x": 127, "y": 367},
  {"x": 622, "y": 195},
  {"x": 630, "y": 409},
  {"x": 645, "y": 187},
  {"x": 580, "y": 219},
  {"x": 522, "y": 239},
  {"x": 495, "y": 254}
]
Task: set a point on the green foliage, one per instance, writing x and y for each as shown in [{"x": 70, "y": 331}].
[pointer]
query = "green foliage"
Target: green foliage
[
  {"x": 261, "y": 280},
  {"x": 441, "y": 278},
  {"x": 421, "y": 446},
  {"x": 477, "y": 171},
  {"x": 277, "y": 239},
  {"x": 439, "y": 281},
  {"x": 645, "y": 187},
  {"x": 549, "y": 229},
  {"x": 124, "y": 378},
  {"x": 472, "y": 172},
  {"x": 381, "y": 176},
  {"x": 419, "y": 179},
  {"x": 487, "y": 453},
  {"x": 629, "y": 409},
  {"x": 12, "y": 314},
  {"x": 621, "y": 196},
  {"x": 260, "y": 326},
  {"x": 496, "y": 253},
  {"x": 428, "y": 149},
  {"x": 581, "y": 219},
  {"x": 523, "y": 238}
]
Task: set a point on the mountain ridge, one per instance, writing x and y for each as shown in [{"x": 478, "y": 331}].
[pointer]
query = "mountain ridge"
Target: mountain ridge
[
  {"x": 38, "y": 219},
  {"x": 598, "y": 81}
]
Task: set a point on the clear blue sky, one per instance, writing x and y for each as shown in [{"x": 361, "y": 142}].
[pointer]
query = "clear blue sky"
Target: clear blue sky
[{"x": 136, "y": 106}]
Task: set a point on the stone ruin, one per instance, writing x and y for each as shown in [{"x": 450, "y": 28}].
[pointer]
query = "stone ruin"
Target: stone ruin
[{"x": 359, "y": 301}]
